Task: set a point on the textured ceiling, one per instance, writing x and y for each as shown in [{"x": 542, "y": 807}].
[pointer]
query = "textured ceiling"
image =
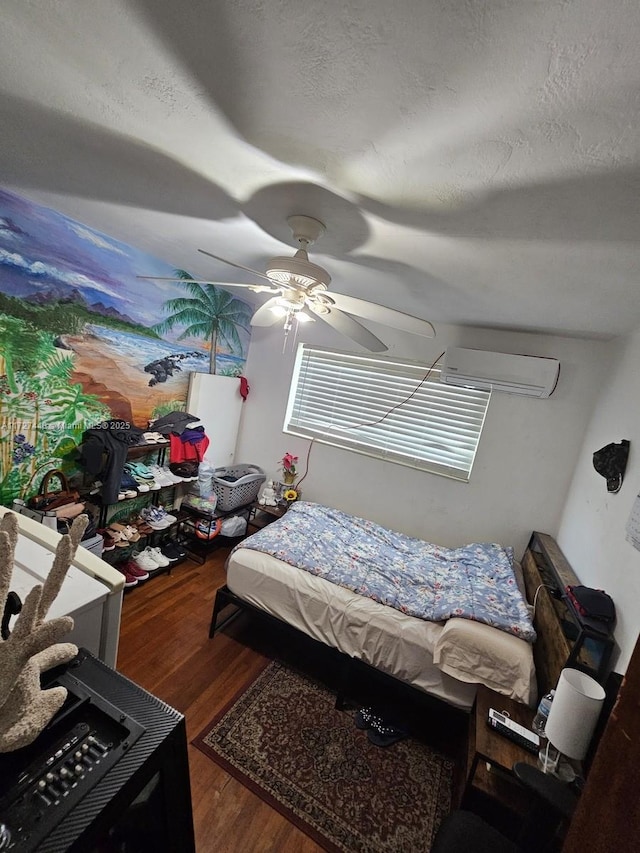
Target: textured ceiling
[{"x": 474, "y": 161}]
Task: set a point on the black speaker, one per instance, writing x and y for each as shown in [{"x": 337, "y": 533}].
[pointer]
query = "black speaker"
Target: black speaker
[{"x": 109, "y": 773}]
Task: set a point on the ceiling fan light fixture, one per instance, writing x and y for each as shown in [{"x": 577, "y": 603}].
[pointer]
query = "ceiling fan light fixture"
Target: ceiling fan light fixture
[
  {"x": 297, "y": 271},
  {"x": 300, "y": 290},
  {"x": 279, "y": 310}
]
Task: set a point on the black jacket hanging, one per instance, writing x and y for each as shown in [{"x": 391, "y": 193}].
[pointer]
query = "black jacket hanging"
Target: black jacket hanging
[{"x": 103, "y": 453}]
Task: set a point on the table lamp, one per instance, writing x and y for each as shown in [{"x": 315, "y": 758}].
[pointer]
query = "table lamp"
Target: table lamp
[{"x": 572, "y": 719}]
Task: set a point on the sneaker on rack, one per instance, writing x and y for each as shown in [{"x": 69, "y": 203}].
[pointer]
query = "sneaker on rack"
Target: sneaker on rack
[
  {"x": 159, "y": 557},
  {"x": 139, "y": 470},
  {"x": 170, "y": 519},
  {"x": 160, "y": 519},
  {"x": 129, "y": 579},
  {"x": 168, "y": 473},
  {"x": 154, "y": 555},
  {"x": 142, "y": 485},
  {"x": 128, "y": 486},
  {"x": 141, "y": 476},
  {"x": 135, "y": 570},
  {"x": 126, "y": 480},
  {"x": 187, "y": 471},
  {"x": 171, "y": 552},
  {"x": 154, "y": 518},
  {"x": 161, "y": 477},
  {"x": 144, "y": 560}
]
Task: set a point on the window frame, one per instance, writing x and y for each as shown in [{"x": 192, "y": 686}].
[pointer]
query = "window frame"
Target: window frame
[{"x": 417, "y": 390}]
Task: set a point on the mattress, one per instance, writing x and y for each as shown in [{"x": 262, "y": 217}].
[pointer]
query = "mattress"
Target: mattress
[{"x": 398, "y": 645}]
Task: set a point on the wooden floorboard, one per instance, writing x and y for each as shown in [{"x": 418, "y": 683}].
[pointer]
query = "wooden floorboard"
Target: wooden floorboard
[{"x": 165, "y": 647}]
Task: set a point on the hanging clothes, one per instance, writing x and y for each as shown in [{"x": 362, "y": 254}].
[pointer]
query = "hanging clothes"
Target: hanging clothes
[
  {"x": 103, "y": 453},
  {"x": 189, "y": 446},
  {"x": 173, "y": 422}
]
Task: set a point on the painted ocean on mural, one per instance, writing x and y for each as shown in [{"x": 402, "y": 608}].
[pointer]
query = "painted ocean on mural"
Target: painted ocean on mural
[{"x": 82, "y": 339}]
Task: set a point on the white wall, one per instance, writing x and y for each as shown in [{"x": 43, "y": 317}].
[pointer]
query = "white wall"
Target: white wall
[
  {"x": 592, "y": 528},
  {"x": 524, "y": 464}
]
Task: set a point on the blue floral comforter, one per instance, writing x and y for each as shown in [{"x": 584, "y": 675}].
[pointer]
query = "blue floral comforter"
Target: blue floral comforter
[{"x": 418, "y": 578}]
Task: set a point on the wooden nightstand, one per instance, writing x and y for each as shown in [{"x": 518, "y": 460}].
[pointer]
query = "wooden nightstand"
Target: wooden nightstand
[
  {"x": 261, "y": 515},
  {"x": 491, "y": 755}
]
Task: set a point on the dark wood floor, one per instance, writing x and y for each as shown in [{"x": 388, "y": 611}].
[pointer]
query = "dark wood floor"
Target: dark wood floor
[{"x": 165, "y": 647}]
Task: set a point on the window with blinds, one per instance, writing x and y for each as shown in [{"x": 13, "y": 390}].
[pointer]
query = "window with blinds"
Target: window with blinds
[{"x": 384, "y": 407}]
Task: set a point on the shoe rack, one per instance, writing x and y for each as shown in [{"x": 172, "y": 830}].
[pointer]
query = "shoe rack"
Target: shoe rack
[
  {"x": 123, "y": 511},
  {"x": 142, "y": 498},
  {"x": 198, "y": 545}
]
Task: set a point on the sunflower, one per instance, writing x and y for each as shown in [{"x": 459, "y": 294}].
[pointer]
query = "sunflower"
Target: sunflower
[{"x": 290, "y": 495}]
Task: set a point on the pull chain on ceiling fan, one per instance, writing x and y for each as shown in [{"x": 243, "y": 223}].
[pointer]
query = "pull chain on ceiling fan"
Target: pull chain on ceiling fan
[{"x": 300, "y": 291}]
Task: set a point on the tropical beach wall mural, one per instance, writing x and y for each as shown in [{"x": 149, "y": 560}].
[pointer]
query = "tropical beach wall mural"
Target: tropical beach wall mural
[{"x": 83, "y": 340}]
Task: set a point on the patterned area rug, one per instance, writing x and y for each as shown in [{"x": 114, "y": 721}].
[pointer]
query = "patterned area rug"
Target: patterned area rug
[{"x": 284, "y": 739}]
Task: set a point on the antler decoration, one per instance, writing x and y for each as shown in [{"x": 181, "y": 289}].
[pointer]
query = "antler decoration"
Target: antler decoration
[{"x": 33, "y": 646}]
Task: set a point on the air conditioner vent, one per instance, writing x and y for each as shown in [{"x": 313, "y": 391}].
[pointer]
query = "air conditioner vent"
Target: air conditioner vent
[{"x": 532, "y": 376}]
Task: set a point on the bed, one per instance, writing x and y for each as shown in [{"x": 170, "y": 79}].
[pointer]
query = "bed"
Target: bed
[{"x": 319, "y": 571}]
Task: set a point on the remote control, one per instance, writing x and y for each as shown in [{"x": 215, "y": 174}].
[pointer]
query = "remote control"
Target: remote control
[{"x": 518, "y": 734}]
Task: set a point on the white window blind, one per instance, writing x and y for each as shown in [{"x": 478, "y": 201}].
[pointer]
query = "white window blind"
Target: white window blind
[{"x": 342, "y": 399}]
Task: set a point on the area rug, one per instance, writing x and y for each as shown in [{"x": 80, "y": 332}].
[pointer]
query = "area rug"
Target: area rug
[{"x": 283, "y": 738}]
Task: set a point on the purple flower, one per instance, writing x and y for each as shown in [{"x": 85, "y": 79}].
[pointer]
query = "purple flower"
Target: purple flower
[{"x": 22, "y": 450}]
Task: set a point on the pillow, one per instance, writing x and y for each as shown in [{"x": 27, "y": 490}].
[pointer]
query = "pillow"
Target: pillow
[{"x": 477, "y": 653}]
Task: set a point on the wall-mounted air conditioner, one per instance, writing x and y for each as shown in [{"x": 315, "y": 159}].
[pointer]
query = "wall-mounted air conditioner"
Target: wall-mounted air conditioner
[{"x": 531, "y": 375}]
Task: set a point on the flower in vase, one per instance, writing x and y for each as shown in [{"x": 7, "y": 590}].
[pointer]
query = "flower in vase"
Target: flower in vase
[{"x": 289, "y": 469}]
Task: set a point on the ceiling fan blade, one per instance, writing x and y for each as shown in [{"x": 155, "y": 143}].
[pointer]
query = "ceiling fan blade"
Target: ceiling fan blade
[
  {"x": 257, "y": 288},
  {"x": 382, "y": 314},
  {"x": 238, "y": 266},
  {"x": 264, "y": 316},
  {"x": 349, "y": 327}
]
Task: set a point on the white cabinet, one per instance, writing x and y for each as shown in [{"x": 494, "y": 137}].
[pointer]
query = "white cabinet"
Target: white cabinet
[{"x": 91, "y": 592}]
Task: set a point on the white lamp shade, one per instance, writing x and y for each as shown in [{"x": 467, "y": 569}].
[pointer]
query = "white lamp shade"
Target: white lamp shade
[{"x": 574, "y": 713}]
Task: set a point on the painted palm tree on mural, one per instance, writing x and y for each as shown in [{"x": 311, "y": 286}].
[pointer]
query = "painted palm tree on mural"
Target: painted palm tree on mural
[
  {"x": 42, "y": 412},
  {"x": 209, "y": 313}
]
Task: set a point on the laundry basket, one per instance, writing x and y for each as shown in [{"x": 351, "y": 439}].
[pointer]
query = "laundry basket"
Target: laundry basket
[{"x": 237, "y": 485}]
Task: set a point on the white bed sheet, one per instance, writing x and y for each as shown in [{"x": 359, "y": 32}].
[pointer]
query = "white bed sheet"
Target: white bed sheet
[{"x": 399, "y": 645}]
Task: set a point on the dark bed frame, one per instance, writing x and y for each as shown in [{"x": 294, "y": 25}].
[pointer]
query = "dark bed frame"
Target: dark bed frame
[
  {"x": 385, "y": 691},
  {"x": 552, "y": 650}
]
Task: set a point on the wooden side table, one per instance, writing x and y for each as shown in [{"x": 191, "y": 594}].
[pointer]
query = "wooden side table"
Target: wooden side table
[
  {"x": 491, "y": 755},
  {"x": 260, "y": 515}
]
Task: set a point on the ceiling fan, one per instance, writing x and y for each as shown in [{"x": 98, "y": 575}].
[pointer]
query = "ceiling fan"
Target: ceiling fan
[{"x": 300, "y": 291}]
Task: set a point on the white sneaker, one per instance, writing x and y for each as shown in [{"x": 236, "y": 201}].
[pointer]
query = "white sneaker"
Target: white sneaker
[
  {"x": 146, "y": 561},
  {"x": 160, "y": 477},
  {"x": 158, "y": 556},
  {"x": 168, "y": 473}
]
